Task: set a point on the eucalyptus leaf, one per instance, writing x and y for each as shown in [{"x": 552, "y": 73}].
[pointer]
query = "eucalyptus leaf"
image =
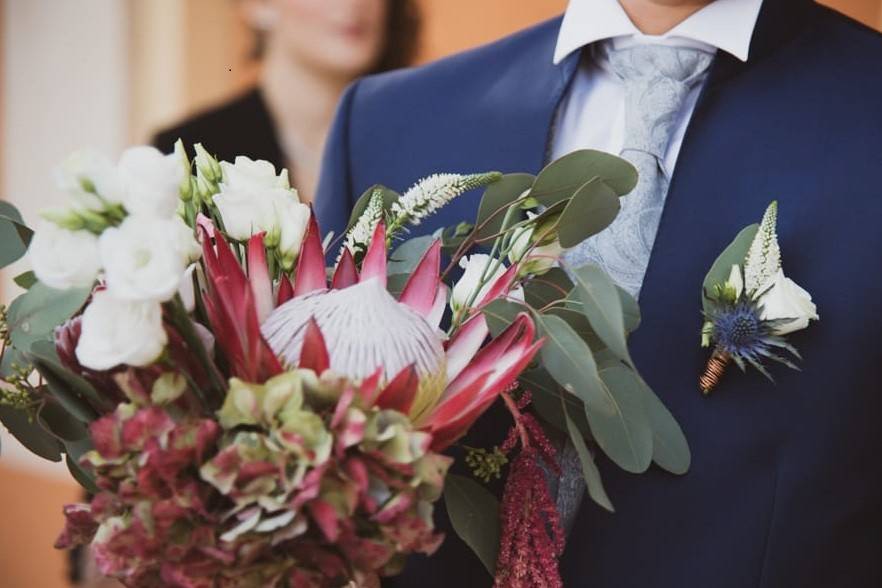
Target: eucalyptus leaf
[
  {"x": 15, "y": 236},
  {"x": 389, "y": 197},
  {"x": 76, "y": 449},
  {"x": 617, "y": 417},
  {"x": 59, "y": 422},
  {"x": 630, "y": 310},
  {"x": 589, "y": 469},
  {"x": 453, "y": 237},
  {"x": 9, "y": 210},
  {"x": 547, "y": 398},
  {"x": 25, "y": 280},
  {"x": 30, "y": 434},
  {"x": 13, "y": 359},
  {"x": 395, "y": 283},
  {"x": 474, "y": 513},
  {"x": 561, "y": 178},
  {"x": 34, "y": 315},
  {"x": 547, "y": 221},
  {"x": 551, "y": 286},
  {"x": 591, "y": 209},
  {"x": 496, "y": 197},
  {"x": 602, "y": 306},
  {"x": 500, "y": 313},
  {"x": 82, "y": 477},
  {"x": 407, "y": 255},
  {"x": 670, "y": 449},
  {"x": 73, "y": 392},
  {"x": 731, "y": 255},
  {"x": 572, "y": 314}
]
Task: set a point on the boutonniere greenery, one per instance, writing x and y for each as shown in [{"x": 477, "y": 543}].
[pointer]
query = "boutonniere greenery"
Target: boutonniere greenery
[{"x": 750, "y": 305}]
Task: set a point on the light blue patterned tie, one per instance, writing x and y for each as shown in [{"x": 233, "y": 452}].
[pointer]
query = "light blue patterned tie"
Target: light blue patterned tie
[{"x": 657, "y": 80}]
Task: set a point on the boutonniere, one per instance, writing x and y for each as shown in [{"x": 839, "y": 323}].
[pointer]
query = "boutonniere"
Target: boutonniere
[{"x": 750, "y": 305}]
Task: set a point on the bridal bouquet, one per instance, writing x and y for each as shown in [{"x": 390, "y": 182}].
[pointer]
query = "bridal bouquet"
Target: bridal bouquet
[{"x": 243, "y": 415}]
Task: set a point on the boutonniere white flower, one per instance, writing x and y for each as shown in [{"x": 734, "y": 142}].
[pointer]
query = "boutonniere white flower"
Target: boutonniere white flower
[{"x": 748, "y": 312}]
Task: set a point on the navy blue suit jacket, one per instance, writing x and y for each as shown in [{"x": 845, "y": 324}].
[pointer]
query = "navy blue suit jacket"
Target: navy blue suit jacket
[{"x": 785, "y": 489}]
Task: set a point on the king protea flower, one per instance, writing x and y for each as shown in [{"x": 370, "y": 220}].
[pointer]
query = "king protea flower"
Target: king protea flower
[{"x": 355, "y": 328}]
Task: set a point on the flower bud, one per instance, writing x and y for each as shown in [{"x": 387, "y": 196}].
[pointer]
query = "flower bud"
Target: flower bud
[{"x": 206, "y": 164}]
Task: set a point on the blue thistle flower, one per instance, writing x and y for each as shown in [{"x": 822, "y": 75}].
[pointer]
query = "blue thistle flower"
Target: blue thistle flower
[{"x": 740, "y": 333}]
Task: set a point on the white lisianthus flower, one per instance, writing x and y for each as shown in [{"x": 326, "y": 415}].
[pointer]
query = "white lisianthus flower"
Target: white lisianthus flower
[
  {"x": 90, "y": 179},
  {"x": 187, "y": 290},
  {"x": 143, "y": 259},
  {"x": 252, "y": 175},
  {"x": 474, "y": 267},
  {"x": 117, "y": 332},
  {"x": 784, "y": 299},
  {"x": 151, "y": 181},
  {"x": 185, "y": 241},
  {"x": 540, "y": 259},
  {"x": 64, "y": 259}
]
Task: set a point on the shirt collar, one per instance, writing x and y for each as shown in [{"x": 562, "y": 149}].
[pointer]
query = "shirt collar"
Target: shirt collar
[{"x": 723, "y": 24}]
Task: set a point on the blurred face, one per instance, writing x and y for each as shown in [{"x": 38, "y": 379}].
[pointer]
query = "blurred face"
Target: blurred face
[{"x": 339, "y": 37}]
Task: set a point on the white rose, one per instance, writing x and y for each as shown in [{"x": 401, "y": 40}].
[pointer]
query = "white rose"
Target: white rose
[
  {"x": 143, "y": 259},
  {"x": 85, "y": 173},
  {"x": 786, "y": 300},
  {"x": 248, "y": 174},
  {"x": 245, "y": 213},
  {"x": 119, "y": 332},
  {"x": 270, "y": 209},
  {"x": 151, "y": 181},
  {"x": 64, "y": 259},
  {"x": 474, "y": 266}
]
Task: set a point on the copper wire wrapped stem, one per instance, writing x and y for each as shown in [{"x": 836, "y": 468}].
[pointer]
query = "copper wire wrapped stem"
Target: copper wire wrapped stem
[{"x": 716, "y": 366}]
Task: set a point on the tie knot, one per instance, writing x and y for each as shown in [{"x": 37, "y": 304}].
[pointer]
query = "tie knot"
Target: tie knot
[
  {"x": 655, "y": 62},
  {"x": 657, "y": 79}
]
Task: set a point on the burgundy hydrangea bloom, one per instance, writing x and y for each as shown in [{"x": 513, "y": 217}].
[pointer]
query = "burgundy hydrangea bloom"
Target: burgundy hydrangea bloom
[{"x": 151, "y": 513}]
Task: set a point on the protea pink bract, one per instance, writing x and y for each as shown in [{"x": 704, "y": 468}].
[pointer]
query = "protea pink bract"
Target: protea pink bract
[{"x": 368, "y": 335}]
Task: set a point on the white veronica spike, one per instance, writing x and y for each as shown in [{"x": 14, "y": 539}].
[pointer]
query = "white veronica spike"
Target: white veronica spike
[{"x": 764, "y": 256}]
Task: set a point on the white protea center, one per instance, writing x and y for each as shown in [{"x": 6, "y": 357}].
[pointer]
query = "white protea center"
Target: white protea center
[{"x": 364, "y": 328}]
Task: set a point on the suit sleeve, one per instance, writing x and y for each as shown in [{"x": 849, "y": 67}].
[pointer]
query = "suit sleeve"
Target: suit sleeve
[{"x": 335, "y": 199}]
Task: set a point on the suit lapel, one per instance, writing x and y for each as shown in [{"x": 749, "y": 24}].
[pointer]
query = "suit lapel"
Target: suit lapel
[{"x": 698, "y": 220}]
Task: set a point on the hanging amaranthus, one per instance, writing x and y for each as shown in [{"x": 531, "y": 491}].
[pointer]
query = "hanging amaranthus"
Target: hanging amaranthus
[{"x": 532, "y": 539}]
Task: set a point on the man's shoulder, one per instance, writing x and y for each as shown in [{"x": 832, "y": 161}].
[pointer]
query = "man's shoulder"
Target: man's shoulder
[
  {"x": 850, "y": 47},
  {"x": 470, "y": 70}
]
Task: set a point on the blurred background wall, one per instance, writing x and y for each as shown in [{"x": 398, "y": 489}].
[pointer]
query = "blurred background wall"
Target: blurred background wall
[{"x": 106, "y": 73}]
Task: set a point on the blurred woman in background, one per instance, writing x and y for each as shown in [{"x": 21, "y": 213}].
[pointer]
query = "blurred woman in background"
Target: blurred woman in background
[{"x": 310, "y": 50}]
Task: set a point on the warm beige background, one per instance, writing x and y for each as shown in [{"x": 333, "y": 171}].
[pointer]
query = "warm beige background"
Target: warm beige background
[{"x": 104, "y": 73}]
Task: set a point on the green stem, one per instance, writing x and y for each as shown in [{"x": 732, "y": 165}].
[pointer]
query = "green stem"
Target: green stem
[
  {"x": 184, "y": 325},
  {"x": 501, "y": 246}
]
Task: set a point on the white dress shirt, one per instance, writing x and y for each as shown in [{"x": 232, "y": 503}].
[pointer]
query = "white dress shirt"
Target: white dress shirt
[{"x": 592, "y": 114}]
